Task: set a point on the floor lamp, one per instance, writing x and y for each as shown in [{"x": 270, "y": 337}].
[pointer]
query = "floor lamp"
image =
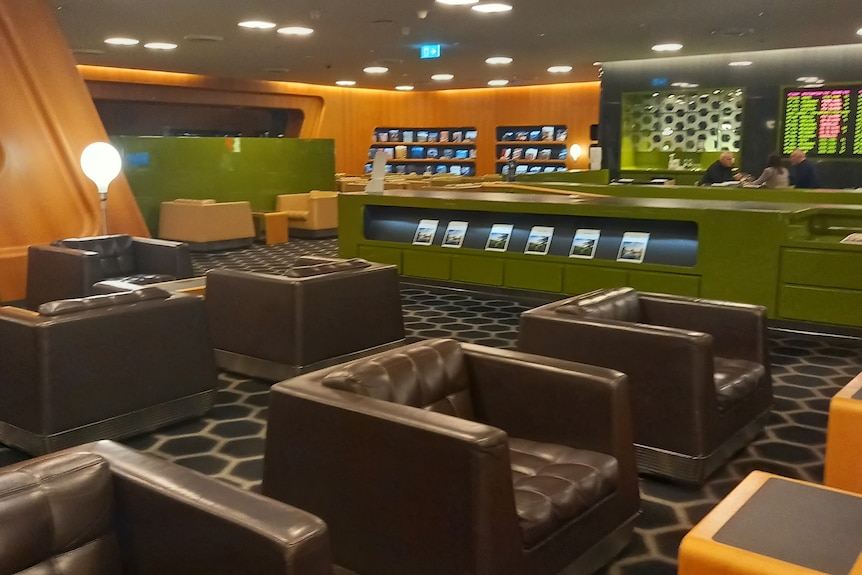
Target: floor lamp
[{"x": 101, "y": 163}]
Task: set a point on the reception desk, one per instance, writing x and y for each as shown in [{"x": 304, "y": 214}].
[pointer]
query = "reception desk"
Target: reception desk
[{"x": 772, "y": 254}]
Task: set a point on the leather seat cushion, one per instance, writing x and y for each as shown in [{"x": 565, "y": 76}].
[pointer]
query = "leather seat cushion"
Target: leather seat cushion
[
  {"x": 116, "y": 256},
  {"x": 735, "y": 379},
  {"x": 554, "y": 484}
]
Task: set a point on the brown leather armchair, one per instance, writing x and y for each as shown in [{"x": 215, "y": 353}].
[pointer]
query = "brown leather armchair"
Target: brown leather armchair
[
  {"x": 441, "y": 457},
  {"x": 322, "y": 311},
  {"x": 698, "y": 369},
  {"x": 69, "y": 268},
  {"x": 105, "y": 509},
  {"x": 102, "y": 367}
]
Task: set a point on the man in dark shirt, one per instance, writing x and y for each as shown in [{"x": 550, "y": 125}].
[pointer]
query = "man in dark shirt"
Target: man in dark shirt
[
  {"x": 720, "y": 171},
  {"x": 802, "y": 174}
]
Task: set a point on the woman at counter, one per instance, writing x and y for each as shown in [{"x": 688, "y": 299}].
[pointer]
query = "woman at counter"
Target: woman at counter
[{"x": 775, "y": 175}]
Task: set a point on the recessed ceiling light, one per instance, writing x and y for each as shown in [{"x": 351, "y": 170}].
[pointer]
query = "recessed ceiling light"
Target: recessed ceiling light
[
  {"x": 295, "y": 31},
  {"x": 491, "y": 7},
  {"x": 859, "y": 31},
  {"x": 457, "y": 2},
  {"x": 122, "y": 41},
  {"x": 669, "y": 47},
  {"x": 741, "y": 63},
  {"x": 375, "y": 70},
  {"x": 257, "y": 25},
  {"x": 559, "y": 69},
  {"x": 345, "y": 83},
  {"x": 404, "y": 88},
  {"x": 160, "y": 46},
  {"x": 497, "y": 82},
  {"x": 597, "y": 63},
  {"x": 498, "y": 60},
  {"x": 810, "y": 79},
  {"x": 442, "y": 77}
]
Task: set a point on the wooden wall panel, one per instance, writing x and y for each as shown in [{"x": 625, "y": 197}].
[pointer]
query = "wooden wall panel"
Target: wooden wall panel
[
  {"x": 48, "y": 119},
  {"x": 349, "y": 115}
]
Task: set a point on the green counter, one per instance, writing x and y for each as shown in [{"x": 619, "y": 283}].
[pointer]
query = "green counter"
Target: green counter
[{"x": 737, "y": 251}]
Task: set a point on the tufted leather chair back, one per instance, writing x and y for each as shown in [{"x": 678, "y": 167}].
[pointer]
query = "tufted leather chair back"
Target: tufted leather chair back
[
  {"x": 621, "y": 304},
  {"x": 116, "y": 256},
  {"x": 430, "y": 375},
  {"x": 56, "y": 516}
]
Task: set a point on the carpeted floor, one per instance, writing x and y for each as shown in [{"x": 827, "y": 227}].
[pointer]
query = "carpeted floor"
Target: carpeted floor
[{"x": 807, "y": 371}]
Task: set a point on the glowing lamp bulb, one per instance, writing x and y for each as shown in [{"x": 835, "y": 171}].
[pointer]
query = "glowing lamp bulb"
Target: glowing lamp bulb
[
  {"x": 575, "y": 151},
  {"x": 101, "y": 163}
]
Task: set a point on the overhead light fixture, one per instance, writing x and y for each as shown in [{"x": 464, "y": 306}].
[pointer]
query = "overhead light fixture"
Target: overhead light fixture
[
  {"x": 810, "y": 80},
  {"x": 491, "y": 7},
  {"x": 101, "y": 163},
  {"x": 859, "y": 32},
  {"x": 597, "y": 63},
  {"x": 457, "y": 2},
  {"x": 494, "y": 60},
  {"x": 559, "y": 69},
  {"x": 375, "y": 69},
  {"x": 160, "y": 46},
  {"x": 345, "y": 83},
  {"x": 122, "y": 41},
  {"x": 442, "y": 77},
  {"x": 497, "y": 83},
  {"x": 295, "y": 31},
  {"x": 740, "y": 63},
  {"x": 404, "y": 88},
  {"x": 257, "y": 25},
  {"x": 669, "y": 47}
]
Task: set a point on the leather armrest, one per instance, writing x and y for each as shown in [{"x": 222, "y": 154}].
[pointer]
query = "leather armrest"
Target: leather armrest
[
  {"x": 156, "y": 256},
  {"x": 175, "y": 520},
  {"x": 60, "y": 273},
  {"x": 738, "y": 330}
]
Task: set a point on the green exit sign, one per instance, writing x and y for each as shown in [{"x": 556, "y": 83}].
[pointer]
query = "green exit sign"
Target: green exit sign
[{"x": 430, "y": 51}]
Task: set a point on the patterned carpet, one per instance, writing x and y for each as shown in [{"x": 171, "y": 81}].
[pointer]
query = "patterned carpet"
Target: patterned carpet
[{"x": 807, "y": 371}]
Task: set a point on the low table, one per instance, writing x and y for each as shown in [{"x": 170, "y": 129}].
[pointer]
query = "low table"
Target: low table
[
  {"x": 270, "y": 227},
  {"x": 773, "y": 525},
  {"x": 844, "y": 439}
]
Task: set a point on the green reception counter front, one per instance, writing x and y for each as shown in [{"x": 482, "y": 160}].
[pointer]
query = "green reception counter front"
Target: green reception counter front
[{"x": 787, "y": 257}]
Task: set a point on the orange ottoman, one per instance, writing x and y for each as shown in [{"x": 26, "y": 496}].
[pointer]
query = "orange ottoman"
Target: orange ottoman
[
  {"x": 844, "y": 439},
  {"x": 771, "y": 525}
]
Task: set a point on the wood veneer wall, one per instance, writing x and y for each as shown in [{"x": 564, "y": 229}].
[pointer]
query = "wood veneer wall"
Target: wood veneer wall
[
  {"x": 349, "y": 115},
  {"x": 47, "y": 119}
]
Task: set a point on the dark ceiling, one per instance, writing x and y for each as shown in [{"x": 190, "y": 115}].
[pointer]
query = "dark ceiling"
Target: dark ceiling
[{"x": 351, "y": 34}]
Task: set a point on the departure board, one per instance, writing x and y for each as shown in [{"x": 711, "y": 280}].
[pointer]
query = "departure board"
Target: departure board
[{"x": 823, "y": 121}]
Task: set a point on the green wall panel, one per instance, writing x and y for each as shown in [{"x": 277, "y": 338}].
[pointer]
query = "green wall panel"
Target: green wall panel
[
  {"x": 822, "y": 268},
  {"x": 477, "y": 270},
  {"x": 426, "y": 264},
  {"x": 381, "y": 255},
  {"x": 539, "y": 276},
  {"x": 578, "y": 279},
  {"x": 664, "y": 283},
  {"x": 224, "y": 169},
  {"x": 822, "y": 305}
]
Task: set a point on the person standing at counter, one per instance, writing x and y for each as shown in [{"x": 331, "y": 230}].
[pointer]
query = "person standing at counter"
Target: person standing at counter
[
  {"x": 775, "y": 175},
  {"x": 720, "y": 171},
  {"x": 802, "y": 174}
]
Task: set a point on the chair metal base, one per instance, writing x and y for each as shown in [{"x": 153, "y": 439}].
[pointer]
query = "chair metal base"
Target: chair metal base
[{"x": 696, "y": 468}]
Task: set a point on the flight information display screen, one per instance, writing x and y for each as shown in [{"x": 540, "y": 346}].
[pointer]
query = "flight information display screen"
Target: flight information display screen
[{"x": 823, "y": 121}]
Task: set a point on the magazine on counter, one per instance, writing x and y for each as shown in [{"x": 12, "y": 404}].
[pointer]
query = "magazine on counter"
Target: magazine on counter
[
  {"x": 498, "y": 239},
  {"x": 539, "y": 240},
  {"x": 855, "y": 239},
  {"x": 584, "y": 244},
  {"x": 425, "y": 232},
  {"x": 633, "y": 247},
  {"x": 455, "y": 232}
]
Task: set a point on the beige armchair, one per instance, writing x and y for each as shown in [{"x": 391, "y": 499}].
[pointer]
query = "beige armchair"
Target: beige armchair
[
  {"x": 207, "y": 225},
  {"x": 311, "y": 215}
]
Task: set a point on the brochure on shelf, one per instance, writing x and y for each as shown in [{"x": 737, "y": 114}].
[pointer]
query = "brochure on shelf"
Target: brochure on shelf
[
  {"x": 855, "y": 239},
  {"x": 547, "y": 133},
  {"x": 584, "y": 243},
  {"x": 539, "y": 240},
  {"x": 454, "y": 236},
  {"x": 498, "y": 239},
  {"x": 633, "y": 247},
  {"x": 425, "y": 232}
]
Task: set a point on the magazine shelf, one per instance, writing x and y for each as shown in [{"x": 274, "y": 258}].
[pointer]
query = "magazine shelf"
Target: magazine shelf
[
  {"x": 532, "y": 149},
  {"x": 447, "y": 150}
]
